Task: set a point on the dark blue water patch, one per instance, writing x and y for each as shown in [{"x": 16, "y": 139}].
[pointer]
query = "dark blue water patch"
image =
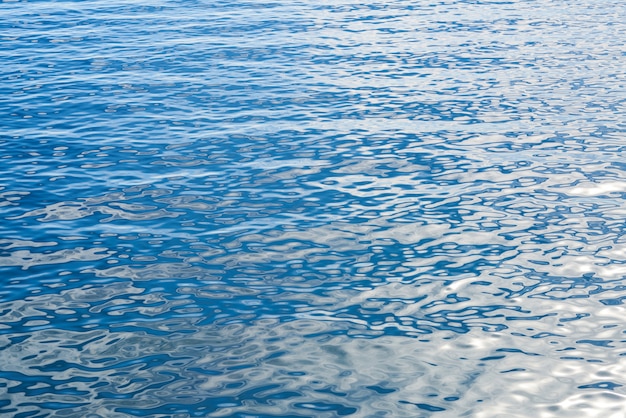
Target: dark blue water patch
[
  {"x": 426, "y": 407},
  {"x": 379, "y": 389},
  {"x": 602, "y": 385}
]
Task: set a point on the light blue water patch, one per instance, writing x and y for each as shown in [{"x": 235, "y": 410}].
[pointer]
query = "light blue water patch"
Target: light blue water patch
[{"x": 312, "y": 209}]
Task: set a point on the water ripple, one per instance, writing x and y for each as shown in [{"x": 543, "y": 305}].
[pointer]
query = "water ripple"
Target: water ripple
[{"x": 326, "y": 209}]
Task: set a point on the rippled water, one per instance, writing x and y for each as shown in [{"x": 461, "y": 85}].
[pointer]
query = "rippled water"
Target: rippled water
[{"x": 312, "y": 208}]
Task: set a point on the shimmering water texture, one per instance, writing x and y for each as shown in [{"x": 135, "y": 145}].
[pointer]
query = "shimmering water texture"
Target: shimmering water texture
[{"x": 312, "y": 208}]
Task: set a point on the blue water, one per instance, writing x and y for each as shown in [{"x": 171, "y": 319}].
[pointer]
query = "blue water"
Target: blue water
[{"x": 312, "y": 208}]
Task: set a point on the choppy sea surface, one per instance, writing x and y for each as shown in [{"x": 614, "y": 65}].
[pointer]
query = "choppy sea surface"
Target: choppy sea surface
[{"x": 313, "y": 208}]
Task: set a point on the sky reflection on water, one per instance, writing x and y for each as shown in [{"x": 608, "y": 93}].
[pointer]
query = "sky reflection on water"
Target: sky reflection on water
[{"x": 312, "y": 209}]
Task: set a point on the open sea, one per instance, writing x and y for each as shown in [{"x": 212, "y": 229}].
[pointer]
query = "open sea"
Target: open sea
[{"x": 273, "y": 208}]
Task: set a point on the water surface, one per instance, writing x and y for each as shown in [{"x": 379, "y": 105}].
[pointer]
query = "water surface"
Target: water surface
[{"x": 312, "y": 209}]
